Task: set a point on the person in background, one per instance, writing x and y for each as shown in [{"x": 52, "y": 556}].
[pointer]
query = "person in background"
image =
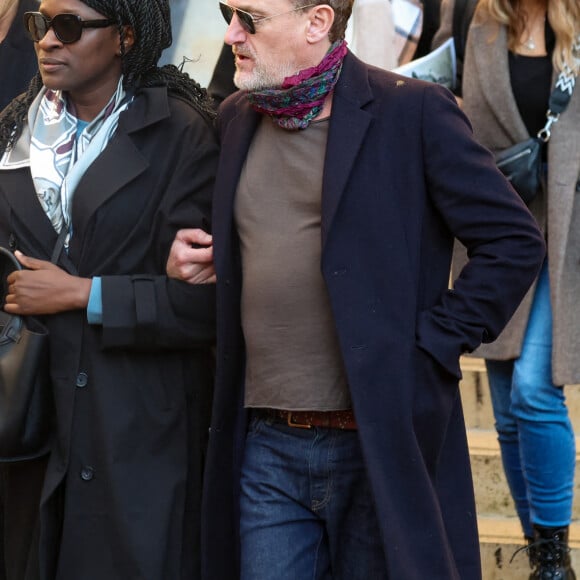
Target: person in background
[
  {"x": 19, "y": 481},
  {"x": 17, "y": 58},
  {"x": 371, "y": 33},
  {"x": 221, "y": 84},
  {"x": 431, "y": 22},
  {"x": 337, "y": 445},
  {"x": 111, "y": 155},
  {"x": 455, "y": 19},
  {"x": 515, "y": 51}
]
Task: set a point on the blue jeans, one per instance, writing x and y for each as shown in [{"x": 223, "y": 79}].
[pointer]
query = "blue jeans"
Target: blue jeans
[
  {"x": 534, "y": 431},
  {"x": 307, "y": 511}
]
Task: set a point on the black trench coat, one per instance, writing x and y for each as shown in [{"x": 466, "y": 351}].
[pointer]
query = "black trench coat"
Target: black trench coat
[{"x": 122, "y": 490}]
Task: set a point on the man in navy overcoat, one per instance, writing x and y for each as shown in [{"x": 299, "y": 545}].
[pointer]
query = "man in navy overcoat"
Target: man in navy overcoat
[{"x": 402, "y": 177}]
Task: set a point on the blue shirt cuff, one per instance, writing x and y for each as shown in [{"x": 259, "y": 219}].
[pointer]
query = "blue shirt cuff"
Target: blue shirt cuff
[{"x": 95, "y": 305}]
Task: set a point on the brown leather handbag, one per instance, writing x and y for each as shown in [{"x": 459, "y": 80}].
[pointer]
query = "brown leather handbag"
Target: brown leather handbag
[{"x": 26, "y": 407}]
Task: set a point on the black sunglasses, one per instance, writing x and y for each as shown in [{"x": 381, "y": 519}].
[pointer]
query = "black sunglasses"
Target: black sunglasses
[
  {"x": 249, "y": 21},
  {"x": 67, "y": 28}
]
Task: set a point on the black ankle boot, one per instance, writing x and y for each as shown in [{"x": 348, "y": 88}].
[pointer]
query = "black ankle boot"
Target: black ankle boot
[
  {"x": 550, "y": 555},
  {"x": 530, "y": 548}
]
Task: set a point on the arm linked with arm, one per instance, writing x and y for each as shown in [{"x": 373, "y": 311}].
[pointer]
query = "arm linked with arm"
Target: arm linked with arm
[{"x": 149, "y": 310}]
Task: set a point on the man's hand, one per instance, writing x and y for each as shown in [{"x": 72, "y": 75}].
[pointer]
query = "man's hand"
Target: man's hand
[
  {"x": 44, "y": 288},
  {"x": 191, "y": 257}
]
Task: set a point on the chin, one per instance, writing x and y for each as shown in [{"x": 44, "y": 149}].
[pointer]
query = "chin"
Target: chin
[
  {"x": 253, "y": 82},
  {"x": 245, "y": 82},
  {"x": 53, "y": 85}
]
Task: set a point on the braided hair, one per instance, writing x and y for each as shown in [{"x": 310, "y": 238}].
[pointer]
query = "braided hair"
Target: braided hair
[{"x": 151, "y": 23}]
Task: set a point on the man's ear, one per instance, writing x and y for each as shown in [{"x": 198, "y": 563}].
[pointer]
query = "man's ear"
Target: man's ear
[{"x": 320, "y": 20}]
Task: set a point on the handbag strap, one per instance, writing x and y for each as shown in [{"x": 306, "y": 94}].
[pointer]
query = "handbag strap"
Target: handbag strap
[
  {"x": 559, "y": 97},
  {"x": 59, "y": 245},
  {"x": 59, "y": 256}
]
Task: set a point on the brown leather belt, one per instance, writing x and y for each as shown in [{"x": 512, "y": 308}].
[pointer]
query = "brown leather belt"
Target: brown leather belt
[{"x": 308, "y": 419}]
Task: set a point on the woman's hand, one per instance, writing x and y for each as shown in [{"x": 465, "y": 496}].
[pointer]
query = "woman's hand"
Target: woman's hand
[
  {"x": 191, "y": 257},
  {"x": 44, "y": 288}
]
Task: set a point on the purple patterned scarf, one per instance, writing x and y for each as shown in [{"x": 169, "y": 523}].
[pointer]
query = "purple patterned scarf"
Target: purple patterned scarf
[{"x": 302, "y": 95}]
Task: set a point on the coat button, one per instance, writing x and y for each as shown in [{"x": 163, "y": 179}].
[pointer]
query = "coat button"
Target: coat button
[
  {"x": 12, "y": 242},
  {"x": 87, "y": 473},
  {"x": 82, "y": 380}
]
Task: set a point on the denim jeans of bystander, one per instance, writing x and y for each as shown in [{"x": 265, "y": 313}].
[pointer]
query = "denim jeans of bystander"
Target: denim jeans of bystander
[{"x": 534, "y": 430}]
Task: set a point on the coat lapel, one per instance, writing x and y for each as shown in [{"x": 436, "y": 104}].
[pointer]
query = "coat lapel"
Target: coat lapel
[
  {"x": 563, "y": 174},
  {"x": 493, "y": 68},
  {"x": 20, "y": 194},
  {"x": 40, "y": 237},
  {"x": 236, "y": 141},
  {"x": 121, "y": 161},
  {"x": 118, "y": 164},
  {"x": 348, "y": 126}
]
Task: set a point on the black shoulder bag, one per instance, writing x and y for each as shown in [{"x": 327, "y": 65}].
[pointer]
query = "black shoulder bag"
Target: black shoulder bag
[
  {"x": 25, "y": 407},
  {"x": 26, "y": 402},
  {"x": 522, "y": 163}
]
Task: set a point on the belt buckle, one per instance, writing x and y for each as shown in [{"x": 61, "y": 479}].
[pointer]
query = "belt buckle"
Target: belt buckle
[{"x": 297, "y": 425}]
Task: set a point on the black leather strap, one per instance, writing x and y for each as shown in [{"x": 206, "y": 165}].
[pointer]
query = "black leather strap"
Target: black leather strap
[{"x": 59, "y": 245}]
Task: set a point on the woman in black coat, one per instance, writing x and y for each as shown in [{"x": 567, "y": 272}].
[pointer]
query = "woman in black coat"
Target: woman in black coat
[{"x": 114, "y": 154}]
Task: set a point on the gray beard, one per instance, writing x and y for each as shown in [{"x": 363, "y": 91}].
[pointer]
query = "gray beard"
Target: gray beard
[{"x": 261, "y": 79}]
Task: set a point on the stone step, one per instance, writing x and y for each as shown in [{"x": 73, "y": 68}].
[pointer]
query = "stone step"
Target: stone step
[
  {"x": 491, "y": 490},
  {"x": 500, "y": 537},
  {"x": 475, "y": 397},
  {"x": 500, "y": 532},
  {"x": 476, "y": 400}
]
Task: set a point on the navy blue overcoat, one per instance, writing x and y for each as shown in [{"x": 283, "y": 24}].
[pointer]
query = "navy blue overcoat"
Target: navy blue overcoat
[{"x": 402, "y": 177}]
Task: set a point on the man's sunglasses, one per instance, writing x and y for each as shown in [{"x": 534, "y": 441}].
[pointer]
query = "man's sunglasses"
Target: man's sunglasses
[
  {"x": 67, "y": 28},
  {"x": 249, "y": 21}
]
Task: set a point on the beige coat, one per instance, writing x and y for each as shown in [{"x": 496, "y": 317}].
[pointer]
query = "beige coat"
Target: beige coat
[
  {"x": 371, "y": 33},
  {"x": 489, "y": 103}
]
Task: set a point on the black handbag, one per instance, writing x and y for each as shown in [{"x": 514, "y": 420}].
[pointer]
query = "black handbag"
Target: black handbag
[
  {"x": 522, "y": 163},
  {"x": 26, "y": 407}
]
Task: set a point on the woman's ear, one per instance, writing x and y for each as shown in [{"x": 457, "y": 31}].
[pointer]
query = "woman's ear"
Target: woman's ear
[
  {"x": 129, "y": 38},
  {"x": 320, "y": 22}
]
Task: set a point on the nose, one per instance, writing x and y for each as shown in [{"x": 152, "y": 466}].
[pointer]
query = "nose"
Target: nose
[
  {"x": 235, "y": 33},
  {"x": 49, "y": 39}
]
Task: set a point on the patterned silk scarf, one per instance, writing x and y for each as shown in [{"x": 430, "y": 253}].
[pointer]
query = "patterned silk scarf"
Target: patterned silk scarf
[
  {"x": 302, "y": 95},
  {"x": 58, "y": 157}
]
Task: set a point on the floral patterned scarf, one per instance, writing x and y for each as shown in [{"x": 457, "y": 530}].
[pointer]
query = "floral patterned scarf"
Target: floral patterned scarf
[
  {"x": 58, "y": 156},
  {"x": 302, "y": 95}
]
